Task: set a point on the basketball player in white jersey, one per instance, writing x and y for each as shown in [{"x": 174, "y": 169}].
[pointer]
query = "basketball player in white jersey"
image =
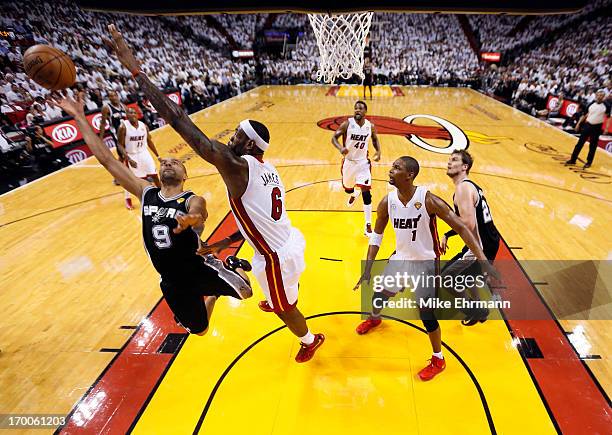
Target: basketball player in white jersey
[
  {"x": 113, "y": 112},
  {"x": 412, "y": 211},
  {"x": 257, "y": 199},
  {"x": 133, "y": 139},
  {"x": 356, "y": 167}
]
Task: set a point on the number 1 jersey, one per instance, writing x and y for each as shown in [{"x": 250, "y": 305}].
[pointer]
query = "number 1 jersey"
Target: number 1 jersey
[{"x": 260, "y": 212}]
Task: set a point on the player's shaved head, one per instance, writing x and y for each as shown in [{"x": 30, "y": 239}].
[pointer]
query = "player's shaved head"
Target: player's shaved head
[
  {"x": 411, "y": 165},
  {"x": 363, "y": 103}
]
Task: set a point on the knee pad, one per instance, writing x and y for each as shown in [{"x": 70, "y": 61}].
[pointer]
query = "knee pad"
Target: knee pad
[
  {"x": 367, "y": 197},
  {"x": 379, "y": 299},
  {"x": 429, "y": 321}
]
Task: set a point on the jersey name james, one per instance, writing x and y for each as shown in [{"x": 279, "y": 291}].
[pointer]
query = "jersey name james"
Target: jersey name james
[{"x": 270, "y": 178}]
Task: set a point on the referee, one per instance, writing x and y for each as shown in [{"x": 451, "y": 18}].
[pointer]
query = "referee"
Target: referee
[{"x": 592, "y": 128}]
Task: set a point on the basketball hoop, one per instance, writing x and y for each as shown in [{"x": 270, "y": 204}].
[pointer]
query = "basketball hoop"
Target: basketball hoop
[{"x": 341, "y": 39}]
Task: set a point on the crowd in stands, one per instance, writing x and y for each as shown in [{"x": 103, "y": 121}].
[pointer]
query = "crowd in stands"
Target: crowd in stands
[{"x": 541, "y": 55}]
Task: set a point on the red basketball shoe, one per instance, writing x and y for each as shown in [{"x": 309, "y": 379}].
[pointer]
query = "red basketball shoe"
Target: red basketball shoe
[
  {"x": 307, "y": 351},
  {"x": 367, "y": 325},
  {"x": 128, "y": 204},
  {"x": 352, "y": 197},
  {"x": 264, "y": 306},
  {"x": 436, "y": 365}
]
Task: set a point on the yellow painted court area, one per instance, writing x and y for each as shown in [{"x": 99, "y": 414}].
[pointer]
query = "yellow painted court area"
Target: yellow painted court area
[
  {"x": 74, "y": 271},
  {"x": 355, "y": 384}
]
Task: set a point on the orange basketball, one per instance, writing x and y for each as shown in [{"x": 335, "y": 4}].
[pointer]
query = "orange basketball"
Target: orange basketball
[{"x": 49, "y": 67}]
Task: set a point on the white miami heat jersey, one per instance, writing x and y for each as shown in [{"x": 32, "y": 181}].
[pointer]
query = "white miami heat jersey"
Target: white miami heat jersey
[
  {"x": 135, "y": 137},
  {"x": 416, "y": 235},
  {"x": 260, "y": 213},
  {"x": 357, "y": 140}
]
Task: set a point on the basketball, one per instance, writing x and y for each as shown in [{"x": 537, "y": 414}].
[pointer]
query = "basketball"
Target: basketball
[{"x": 49, "y": 67}]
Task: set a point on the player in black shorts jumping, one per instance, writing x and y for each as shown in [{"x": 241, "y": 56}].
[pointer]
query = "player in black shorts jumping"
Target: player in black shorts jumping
[
  {"x": 172, "y": 222},
  {"x": 471, "y": 206}
]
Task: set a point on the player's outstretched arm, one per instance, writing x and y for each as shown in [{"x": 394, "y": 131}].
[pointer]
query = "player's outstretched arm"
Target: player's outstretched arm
[
  {"x": 124, "y": 176},
  {"x": 219, "y": 246},
  {"x": 437, "y": 206},
  {"x": 382, "y": 218},
  {"x": 341, "y": 131},
  {"x": 464, "y": 197},
  {"x": 195, "y": 218},
  {"x": 212, "y": 151}
]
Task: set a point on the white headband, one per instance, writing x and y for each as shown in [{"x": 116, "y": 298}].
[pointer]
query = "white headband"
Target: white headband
[{"x": 252, "y": 134}]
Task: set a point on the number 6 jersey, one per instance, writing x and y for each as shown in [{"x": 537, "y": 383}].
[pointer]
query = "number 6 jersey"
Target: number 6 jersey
[
  {"x": 172, "y": 255},
  {"x": 260, "y": 212}
]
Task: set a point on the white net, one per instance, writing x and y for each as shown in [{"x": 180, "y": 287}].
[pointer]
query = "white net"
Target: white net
[{"x": 341, "y": 40}]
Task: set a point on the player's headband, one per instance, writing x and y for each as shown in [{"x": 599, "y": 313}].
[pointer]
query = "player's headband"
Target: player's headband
[{"x": 252, "y": 134}]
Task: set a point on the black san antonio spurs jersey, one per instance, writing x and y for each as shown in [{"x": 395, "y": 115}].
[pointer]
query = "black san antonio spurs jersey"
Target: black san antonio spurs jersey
[
  {"x": 173, "y": 255},
  {"x": 489, "y": 236},
  {"x": 116, "y": 115}
]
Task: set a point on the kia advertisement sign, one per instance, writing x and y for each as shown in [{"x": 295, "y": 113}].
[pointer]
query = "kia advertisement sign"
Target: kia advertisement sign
[
  {"x": 77, "y": 154},
  {"x": 66, "y": 132},
  {"x": 568, "y": 107}
]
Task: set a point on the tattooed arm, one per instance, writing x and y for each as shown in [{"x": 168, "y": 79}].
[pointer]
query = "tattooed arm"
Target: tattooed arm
[{"x": 232, "y": 168}]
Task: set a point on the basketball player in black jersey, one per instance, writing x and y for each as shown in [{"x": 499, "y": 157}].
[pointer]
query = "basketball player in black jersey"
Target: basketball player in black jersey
[
  {"x": 113, "y": 113},
  {"x": 172, "y": 222},
  {"x": 472, "y": 208},
  {"x": 249, "y": 140},
  {"x": 368, "y": 79}
]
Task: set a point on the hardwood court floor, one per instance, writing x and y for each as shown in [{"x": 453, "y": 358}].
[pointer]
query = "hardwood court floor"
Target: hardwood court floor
[{"x": 75, "y": 282}]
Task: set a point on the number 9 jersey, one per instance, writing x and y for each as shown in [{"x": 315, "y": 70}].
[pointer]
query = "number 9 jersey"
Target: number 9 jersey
[{"x": 172, "y": 255}]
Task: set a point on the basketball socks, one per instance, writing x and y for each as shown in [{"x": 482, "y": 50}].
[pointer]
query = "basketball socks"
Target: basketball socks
[
  {"x": 126, "y": 194},
  {"x": 367, "y": 209},
  {"x": 308, "y": 338},
  {"x": 438, "y": 355}
]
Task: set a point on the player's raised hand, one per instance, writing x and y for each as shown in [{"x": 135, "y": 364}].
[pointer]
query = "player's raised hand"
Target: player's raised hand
[
  {"x": 443, "y": 244},
  {"x": 73, "y": 107},
  {"x": 123, "y": 51},
  {"x": 188, "y": 220},
  {"x": 215, "y": 248}
]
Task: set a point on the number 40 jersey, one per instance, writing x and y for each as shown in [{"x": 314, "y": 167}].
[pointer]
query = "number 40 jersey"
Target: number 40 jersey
[
  {"x": 357, "y": 140},
  {"x": 173, "y": 255}
]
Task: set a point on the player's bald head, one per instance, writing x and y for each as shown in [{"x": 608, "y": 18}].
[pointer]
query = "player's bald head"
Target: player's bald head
[{"x": 411, "y": 165}]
